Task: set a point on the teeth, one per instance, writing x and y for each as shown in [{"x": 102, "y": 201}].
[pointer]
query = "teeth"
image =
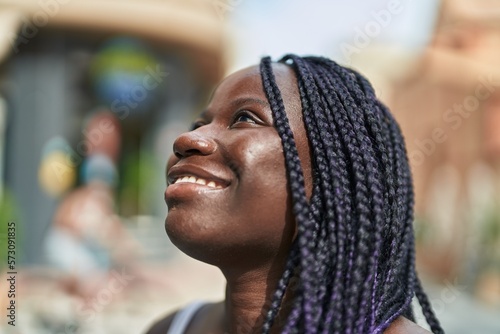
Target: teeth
[{"x": 193, "y": 179}]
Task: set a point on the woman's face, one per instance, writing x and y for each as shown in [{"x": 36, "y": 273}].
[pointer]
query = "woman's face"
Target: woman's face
[{"x": 228, "y": 198}]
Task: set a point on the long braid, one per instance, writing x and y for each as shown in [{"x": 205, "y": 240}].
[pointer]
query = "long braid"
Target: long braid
[
  {"x": 354, "y": 252},
  {"x": 373, "y": 182},
  {"x": 319, "y": 145},
  {"x": 359, "y": 160},
  {"x": 388, "y": 159},
  {"x": 296, "y": 177},
  {"x": 427, "y": 309},
  {"x": 402, "y": 187}
]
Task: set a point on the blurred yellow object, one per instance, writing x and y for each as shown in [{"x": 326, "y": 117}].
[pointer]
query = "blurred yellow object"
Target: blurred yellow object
[
  {"x": 10, "y": 22},
  {"x": 55, "y": 175}
]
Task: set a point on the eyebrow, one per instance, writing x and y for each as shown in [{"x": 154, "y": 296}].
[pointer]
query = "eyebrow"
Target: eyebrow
[
  {"x": 238, "y": 102},
  {"x": 243, "y": 100}
]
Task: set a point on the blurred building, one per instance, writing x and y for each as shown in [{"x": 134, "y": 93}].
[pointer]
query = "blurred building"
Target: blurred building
[
  {"x": 448, "y": 104},
  {"x": 152, "y": 63}
]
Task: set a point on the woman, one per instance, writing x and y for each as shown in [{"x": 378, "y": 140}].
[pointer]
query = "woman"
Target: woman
[{"x": 295, "y": 183}]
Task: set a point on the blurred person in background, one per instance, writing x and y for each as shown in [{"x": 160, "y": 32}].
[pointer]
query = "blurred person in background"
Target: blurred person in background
[
  {"x": 87, "y": 238},
  {"x": 295, "y": 183}
]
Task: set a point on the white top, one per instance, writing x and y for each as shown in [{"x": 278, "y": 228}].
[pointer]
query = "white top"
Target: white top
[{"x": 183, "y": 318}]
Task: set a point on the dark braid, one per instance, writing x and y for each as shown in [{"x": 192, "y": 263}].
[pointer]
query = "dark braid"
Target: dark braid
[
  {"x": 296, "y": 176},
  {"x": 354, "y": 256}
]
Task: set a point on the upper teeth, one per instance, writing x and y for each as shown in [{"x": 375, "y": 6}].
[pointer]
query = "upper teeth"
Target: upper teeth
[{"x": 193, "y": 179}]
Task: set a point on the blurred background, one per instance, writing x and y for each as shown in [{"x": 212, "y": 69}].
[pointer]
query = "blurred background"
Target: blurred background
[{"x": 93, "y": 93}]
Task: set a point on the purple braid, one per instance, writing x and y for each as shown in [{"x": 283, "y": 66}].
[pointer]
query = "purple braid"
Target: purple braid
[{"x": 354, "y": 256}]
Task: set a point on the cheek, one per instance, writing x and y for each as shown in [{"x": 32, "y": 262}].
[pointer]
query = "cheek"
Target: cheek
[
  {"x": 264, "y": 194},
  {"x": 262, "y": 159}
]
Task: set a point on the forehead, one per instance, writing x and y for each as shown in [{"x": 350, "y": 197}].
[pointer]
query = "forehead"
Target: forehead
[{"x": 248, "y": 82}]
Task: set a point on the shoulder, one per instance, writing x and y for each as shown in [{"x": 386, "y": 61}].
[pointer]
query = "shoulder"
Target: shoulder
[
  {"x": 162, "y": 325},
  {"x": 404, "y": 326}
]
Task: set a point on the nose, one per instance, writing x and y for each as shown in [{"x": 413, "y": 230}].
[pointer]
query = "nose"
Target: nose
[{"x": 193, "y": 143}]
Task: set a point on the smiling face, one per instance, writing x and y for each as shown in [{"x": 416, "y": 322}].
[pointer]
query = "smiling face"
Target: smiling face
[{"x": 228, "y": 197}]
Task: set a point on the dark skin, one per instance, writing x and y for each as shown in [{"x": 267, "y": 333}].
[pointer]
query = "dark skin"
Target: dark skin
[{"x": 229, "y": 223}]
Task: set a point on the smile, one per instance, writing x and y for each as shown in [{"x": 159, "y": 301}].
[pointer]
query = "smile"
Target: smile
[{"x": 197, "y": 180}]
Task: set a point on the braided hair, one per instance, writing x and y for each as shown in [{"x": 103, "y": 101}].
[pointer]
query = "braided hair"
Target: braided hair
[{"x": 354, "y": 255}]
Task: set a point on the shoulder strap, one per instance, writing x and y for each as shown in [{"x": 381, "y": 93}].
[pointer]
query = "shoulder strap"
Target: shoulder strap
[{"x": 184, "y": 317}]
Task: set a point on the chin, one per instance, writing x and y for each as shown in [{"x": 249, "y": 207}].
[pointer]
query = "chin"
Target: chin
[
  {"x": 221, "y": 241},
  {"x": 194, "y": 239}
]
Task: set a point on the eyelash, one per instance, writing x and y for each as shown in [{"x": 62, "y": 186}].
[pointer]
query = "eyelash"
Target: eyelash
[{"x": 242, "y": 113}]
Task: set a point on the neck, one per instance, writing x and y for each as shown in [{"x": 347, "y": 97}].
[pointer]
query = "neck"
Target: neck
[{"x": 248, "y": 297}]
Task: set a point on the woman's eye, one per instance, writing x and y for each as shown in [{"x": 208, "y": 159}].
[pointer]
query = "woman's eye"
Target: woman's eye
[{"x": 244, "y": 118}]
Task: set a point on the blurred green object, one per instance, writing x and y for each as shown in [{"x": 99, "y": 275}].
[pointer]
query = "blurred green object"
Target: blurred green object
[
  {"x": 489, "y": 243},
  {"x": 118, "y": 73},
  {"x": 139, "y": 176},
  {"x": 422, "y": 229},
  {"x": 8, "y": 213}
]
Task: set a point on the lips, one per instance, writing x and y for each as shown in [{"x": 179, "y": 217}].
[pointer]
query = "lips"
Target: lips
[
  {"x": 197, "y": 180},
  {"x": 186, "y": 180}
]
